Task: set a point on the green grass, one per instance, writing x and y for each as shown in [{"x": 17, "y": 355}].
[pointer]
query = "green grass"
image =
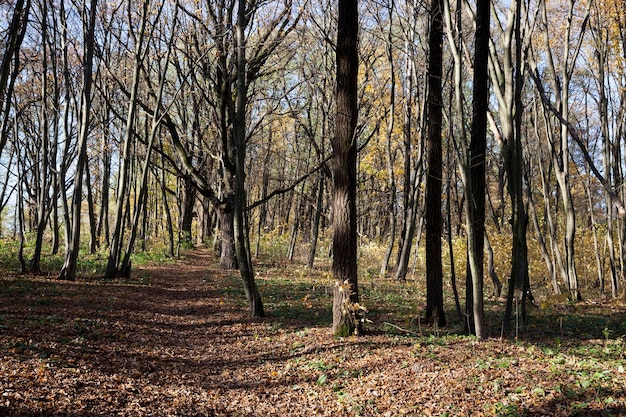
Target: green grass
[{"x": 89, "y": 265}]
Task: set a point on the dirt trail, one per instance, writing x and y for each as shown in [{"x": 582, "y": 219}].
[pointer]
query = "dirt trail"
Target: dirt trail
[{"x": 116, "y": 349}]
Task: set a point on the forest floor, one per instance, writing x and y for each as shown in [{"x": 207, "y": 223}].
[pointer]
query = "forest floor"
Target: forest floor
[{"x": 177, "y": 341}]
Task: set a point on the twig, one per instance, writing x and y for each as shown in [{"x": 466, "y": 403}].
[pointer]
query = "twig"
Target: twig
[{"x": 400, "y": 328}]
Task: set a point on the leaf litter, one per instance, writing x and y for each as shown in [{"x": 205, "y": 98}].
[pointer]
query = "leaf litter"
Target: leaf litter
[{"x": 184, "y": 346}]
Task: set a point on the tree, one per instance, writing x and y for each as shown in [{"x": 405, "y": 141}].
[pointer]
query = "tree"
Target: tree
[
  {"x": 508, "y": 84},
  {"x": 43, "y": 161},
  {"x": 434, "y": 223},
  {"x": 154, "y": 132},
  {"x": 560, "y": 79},
  {"x": 346, "y": 310},
  {"x": 68, "y": 271},
  {"x": 240, "y": 218},
  {"x": 10, "y": 57},
  {"x": 122, "y": 198},
  {"x": 413, "y": 176}
]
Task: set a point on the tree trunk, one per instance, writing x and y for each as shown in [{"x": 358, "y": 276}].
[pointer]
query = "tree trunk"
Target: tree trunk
[
  {"x": 166, "y": 209},
  {"x": 103, "y": 217},
  {"x": 187, "y": 203},
  {"x": 316, "y": 222},
  {"x": 497, "y": 285},
  {"x": 93, "y": 239},
  {"x": 346, "y": 312},
  {"x": 541, "y": 240},
  {"x": 8, "y": 73},
  {"x": 240, "y": 223},
  {"x": 228, "y": 257},
  {"x": 391, "y": 205},
  {"x": 43, "y": 149},
  {"x": 434, "y": 224},
  {"x": 68, "y": 271},
  {"x": 477, "y": 152},
  {"x": 141, "y": 203}
]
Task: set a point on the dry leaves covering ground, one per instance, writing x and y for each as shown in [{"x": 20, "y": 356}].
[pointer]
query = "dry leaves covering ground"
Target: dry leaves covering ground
[{"x": 183, "y": 346}]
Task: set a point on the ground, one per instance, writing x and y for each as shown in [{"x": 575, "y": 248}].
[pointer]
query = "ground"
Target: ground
[{"x": 177, "y": 341}]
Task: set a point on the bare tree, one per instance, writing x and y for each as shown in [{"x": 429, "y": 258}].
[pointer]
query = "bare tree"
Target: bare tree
[
  {"x": 68, "y": 271},
  {"x": 10, "y": 58}
]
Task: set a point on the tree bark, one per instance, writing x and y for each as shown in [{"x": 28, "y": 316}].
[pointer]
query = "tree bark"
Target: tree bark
[
  {"x": 477, "y": 154},
  {"x": 186, "y": 210},
  {"x": 346, "y": 313},
  {"x": 316, "y": 222},
  {"x": 434, "y": 224}
]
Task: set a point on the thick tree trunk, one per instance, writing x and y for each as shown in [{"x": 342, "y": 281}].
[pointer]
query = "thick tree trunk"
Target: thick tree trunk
[
  {"x": 434, "y": 224},
  {"x": 346, "y": 312},
  {"x": 228, "y": 257},
  {"x": 477, "y": 154}
]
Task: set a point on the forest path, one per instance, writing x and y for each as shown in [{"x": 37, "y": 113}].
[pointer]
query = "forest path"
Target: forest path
[{"x": 171, "y": 347}]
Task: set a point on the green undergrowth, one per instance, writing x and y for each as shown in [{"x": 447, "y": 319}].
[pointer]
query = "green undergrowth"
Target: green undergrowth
[
  {"x": 296, "y": 295},
  {"x": 89, "y": 265}
]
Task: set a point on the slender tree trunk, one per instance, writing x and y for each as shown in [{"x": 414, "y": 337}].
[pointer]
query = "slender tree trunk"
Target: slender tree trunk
[
  {"x": 391, "y": 207},
  {"x": 316, "y": 222},
  {"x": 497, "y": 285},
  {"x": 20, "y": 223},
  {"x": 240, "y": 221},
  {"x": 93, "y": 238},
  {"x": 115, "y": 252},
  {"x": 405, "y": 250},
  {"x": 518, "y": 281},
  {"x": 68, "y": 271},
  {"x": 43, "y": 148},
  {"x": 103, "y": 217},
  {"x": 67, "y": 131},
  {"x": 606, "y": 161},
  {"x": 295, "y": 225},
  {"x": 541, "y": 241},
  {"x": 166, "y": 209},
  {"x": 9, "y": 66},
  {"x": 143, "y": 182},
  {"x": 455, "y": 291}
]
